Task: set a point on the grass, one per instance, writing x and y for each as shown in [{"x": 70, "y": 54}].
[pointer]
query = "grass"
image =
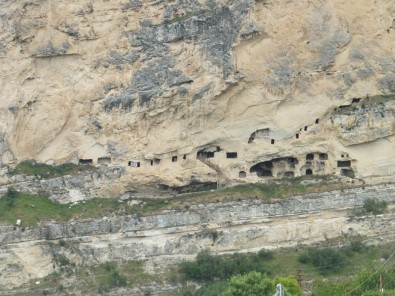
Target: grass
[
  {"x": 45, "y": 171},
  {"x": 32, "y": 209}
]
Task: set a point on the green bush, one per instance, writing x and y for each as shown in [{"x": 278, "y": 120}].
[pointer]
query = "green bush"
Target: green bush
[
  {"x": 250, "y": 284},
  {"x": 62, "y": 260},
  {"x": 290, "y": 284},
  {"x": 265, "y": 254},
  {"x": 208, "y": 267},
  {"x": 374, "y": 206},
  {"x": 10, "y": 196},
  {"x": 304, "y": 258},
  {"x": 112, "y": 278},
  {"x": 325, "y": 260}
]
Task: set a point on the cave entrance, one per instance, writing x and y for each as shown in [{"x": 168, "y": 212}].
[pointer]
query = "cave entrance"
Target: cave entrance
[
  {"x": 174, "y": 158},
  {"x": 263, "y": 169},
  {"x": 242, "y": 174},
  {"x": 309, "y": 172},
  {"x": 85, "y": 161}
]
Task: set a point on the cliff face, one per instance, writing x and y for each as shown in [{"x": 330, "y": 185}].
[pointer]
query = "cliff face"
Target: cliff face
[
  {"x": 28, "y": 253},
  {"x": 152, "y": 83}
]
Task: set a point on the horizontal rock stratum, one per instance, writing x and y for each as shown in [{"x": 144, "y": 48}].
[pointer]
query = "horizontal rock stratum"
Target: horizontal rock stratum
[{"x": 173, "y": 236}]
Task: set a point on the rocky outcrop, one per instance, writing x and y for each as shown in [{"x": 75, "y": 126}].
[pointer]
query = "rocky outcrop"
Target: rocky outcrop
[
  {"x": 171, "y": 236},
  {"x": 67, "y": 189}
]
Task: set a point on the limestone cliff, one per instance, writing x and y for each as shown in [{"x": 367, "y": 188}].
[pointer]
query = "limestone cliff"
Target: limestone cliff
[{"x": 151, "y": 84}]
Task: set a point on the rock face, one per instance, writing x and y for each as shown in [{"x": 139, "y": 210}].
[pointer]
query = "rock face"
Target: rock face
[
  {"x": 174, "y": 236},
  {"x": 151, "y": 84}
]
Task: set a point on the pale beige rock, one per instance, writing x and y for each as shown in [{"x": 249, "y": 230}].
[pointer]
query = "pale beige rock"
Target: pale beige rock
[{"x": 305, "y": 59}]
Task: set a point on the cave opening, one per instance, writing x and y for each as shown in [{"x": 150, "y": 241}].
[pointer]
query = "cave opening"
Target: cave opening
[
  {"x": 309, "y": 172},
  {"x": 323, "y": 156},
  {"x": 231, "y": 154},
  {"x": 104, "y": 160},
  {"x": 343, "y": 163},
  {"x": 310, "y": 156},
  {"x": 85, "y": 161}
]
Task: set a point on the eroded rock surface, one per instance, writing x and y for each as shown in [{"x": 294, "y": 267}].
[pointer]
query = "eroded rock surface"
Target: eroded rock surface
[{"x": 142, "y": 82}]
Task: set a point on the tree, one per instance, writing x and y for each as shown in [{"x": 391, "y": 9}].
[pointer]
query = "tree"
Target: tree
[
  {"x": 250, "y": 284},
  {"x": 290, "y": 284}
]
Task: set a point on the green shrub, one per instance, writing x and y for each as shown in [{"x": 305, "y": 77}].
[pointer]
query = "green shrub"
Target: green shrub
[
  {"x": 10, "y": 196},
  {"x": 62, "y": 260},
  {"x": 250, "y": 284},
  {"x": 327, "y": 259},
  {"x": 374, "y": 206},
  {"x": 265, "y": 254},
  {"x": 208, "y": 267},
  {"x": 213, "y": 289},
  {"x": 304, "y": 258},
  {"x": 290, "y": 284}
]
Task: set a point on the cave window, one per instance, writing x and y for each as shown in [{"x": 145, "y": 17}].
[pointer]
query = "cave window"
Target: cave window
[
  {"x": 231, "y": 155},
  {"x": 184, "y": 157},
  {"x": 104, "y": 160},
  {"x": 218, "y": 149},
  {"x": 305, "y": 128},
  {"x": 134, "y": 164},
  {"x": 242, "y": 174},
  {"x": 343, "y": 163},
  {"x": 152, "y": 162},
  {"x": 317, "y": 121},
  {"x": 156, "y": 160},
  {"x": 85, "y": 161},
  {"x": 323, "y": 156},
  {"x": 272, "y": 141},
  {"x": 310, "y": 156},
  {"x": 297, "y": 136},
  {"x": 210, "y": 154},
  {"x": 205, "y": 154},
  {"x": 356, "y": 100},
  {"x": 309, "y": 172},
  {"x": 174, "y": 158}
]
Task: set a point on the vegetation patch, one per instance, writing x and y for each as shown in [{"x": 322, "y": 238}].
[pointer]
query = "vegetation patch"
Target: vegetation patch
[
  {"x": 32, "y": 209},
  {"x": 208, "y": 267},
  {"x": 45, "y": 171}
]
